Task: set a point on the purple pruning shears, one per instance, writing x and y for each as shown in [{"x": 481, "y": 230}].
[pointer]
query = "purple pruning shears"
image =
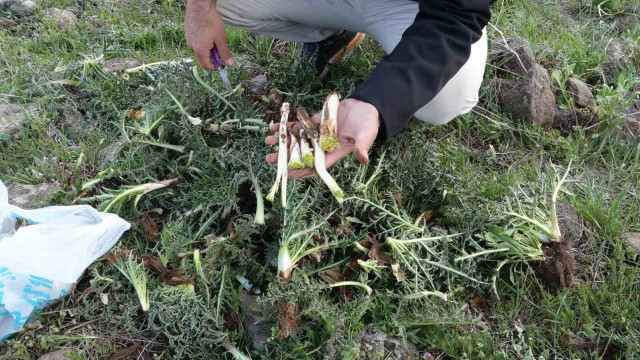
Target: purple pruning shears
[{"x": 218, "y": 65}]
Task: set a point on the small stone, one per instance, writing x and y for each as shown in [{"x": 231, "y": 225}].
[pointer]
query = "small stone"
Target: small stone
[
  {"x": 250, "y": 69},
  {"x": 57, "y": 355},
  {"x": 24, "y": 8},
  {"x": 110, "y": 152},
  {"x": 12, "y": 116},
  {"x": 119, "y": 64},
  {"x": 580, "y": 93},
  {"x": 257, "y": 331},
  {"x": 64, "y": 19},
  {"x": 633, "y": 240},
  {"x": 72, "y": 122},
  {"x": 93, "y": 20},
  {"x": 503, "y": 53},
  {"x": 374, "y": 344},
  {"x": 531, "y": 99},
  {"x": 31, "y": 196},
  {"x": 258, "y": 84}
]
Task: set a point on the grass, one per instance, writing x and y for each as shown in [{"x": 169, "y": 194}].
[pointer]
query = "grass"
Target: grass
[{"x": 458, "y": 179}]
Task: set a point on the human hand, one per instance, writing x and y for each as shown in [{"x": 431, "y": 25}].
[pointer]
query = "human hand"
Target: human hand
[
  {"x": 204, "y": 29},
  {"x": 358, "y": 124}
]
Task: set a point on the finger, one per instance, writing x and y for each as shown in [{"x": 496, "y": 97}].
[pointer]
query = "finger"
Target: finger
[
  {"x": 290, "y": 125},
  {"x": 204, "y": 59},
  {"x": 298, "y": 173},
  {"x": 272, "y": 158},
  {"x": 316, "y": 118},
  {"x": 271, "y": 140},
  {"x": 224, "y": 52},
  {"x": 361, "y": 149}
]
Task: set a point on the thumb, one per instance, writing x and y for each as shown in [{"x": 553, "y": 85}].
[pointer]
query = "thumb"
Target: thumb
[
  {"x": 361, "y": 149},
  {"x": 224, "y": 52}
]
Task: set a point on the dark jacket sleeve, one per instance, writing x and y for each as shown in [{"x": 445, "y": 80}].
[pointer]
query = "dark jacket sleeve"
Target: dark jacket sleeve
[{"x": 430, "y": 53}]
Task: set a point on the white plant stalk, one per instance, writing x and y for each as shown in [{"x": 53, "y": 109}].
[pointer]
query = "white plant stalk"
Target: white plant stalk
[
  {"x": 282, "y": 173},
  {"x": 329, "y": 123},
  {"x": 295, "y": 156},
  {"x": 321, "y": 169},
  {"x": 305, "y": 150},
  {"x": 259, "y": 218}
]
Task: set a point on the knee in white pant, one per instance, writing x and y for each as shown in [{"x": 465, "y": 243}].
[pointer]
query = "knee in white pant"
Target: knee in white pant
[{"x": 440, "y": 112}]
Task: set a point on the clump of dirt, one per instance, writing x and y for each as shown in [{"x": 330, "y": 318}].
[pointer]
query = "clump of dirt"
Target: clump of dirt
[
  {"x": 246, "y": 198},
  {"x": 287, "y": 318},
  {"x": 556, "y": 270},
  {"x": 565, "y": 119}
]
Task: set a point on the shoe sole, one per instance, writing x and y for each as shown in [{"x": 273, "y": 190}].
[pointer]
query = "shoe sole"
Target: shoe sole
[
  {"x": 356, "y": 40},
  {"x": 334, "y": 59}
]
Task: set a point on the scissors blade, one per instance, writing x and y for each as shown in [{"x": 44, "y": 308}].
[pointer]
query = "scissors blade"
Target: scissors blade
[{"x": 225, "y": 79}]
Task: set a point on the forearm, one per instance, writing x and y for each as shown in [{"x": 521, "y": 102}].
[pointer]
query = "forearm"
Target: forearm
[{"x": 201, "y": 5}]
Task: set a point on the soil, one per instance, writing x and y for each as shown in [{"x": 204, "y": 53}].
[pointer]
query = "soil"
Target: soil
[
  {"x": 246, "y": 198},
  {"x": 556, "y": 270},
  {"x": 149, "y": 227},
  {"x": 287, "y": 318}
]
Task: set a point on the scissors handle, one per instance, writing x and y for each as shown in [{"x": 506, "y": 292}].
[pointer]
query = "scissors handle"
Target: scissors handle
[{"x": 215, "y": 58}]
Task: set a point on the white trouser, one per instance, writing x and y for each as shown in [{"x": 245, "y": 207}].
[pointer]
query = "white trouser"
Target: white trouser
[{"x": 384, "y": 20}]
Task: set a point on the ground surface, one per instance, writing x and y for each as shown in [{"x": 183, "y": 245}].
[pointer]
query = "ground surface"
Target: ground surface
[{"x": 456, "y": 179}]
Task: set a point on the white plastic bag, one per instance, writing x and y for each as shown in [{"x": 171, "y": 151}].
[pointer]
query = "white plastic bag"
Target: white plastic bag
[{"x": 39, "y": 263}]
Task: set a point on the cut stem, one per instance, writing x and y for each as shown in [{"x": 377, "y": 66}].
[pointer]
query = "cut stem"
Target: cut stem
[
  {"x": 321, "y": 169},
  {"x": 305, "y": 150},
  {"x": 259, "y": 218},
  {"x": 329, "y": 123},
  {"x": 281, "y": 174},
  {"x": 295, "y": 157},
  {"x": 353, "y": 283}
]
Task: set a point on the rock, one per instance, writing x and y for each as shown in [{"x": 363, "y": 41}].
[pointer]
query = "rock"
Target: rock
[
  {"x": 619, "y": 55},
  {"x": 531, "y": 99},
  {"x": 12, "y": 116},
  {"x": 570, "y": 222},
  {"x": 5, "y": 4},
  {"x": 64, "y": 19},
  {"x": 119, "y": 64},
  {"x": 503, "y": 53},
  {"x": 94, "y": 21},
  {"x": 57, "y": 355},
  {"x": 257, "y": 84},
  {"x": 31, "y": 196},
  {"x": 24, "y": 8},
  {"x": 633, "y": 240},
  {"x": 110, "y": 152},
  {"x": 580, "y": 93},
  {"x": 376, "y": 345},
  {"x": 257, "y": 331},
  {"x": 250, "y": 69},
  {"x": 72, "y": 122}
]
